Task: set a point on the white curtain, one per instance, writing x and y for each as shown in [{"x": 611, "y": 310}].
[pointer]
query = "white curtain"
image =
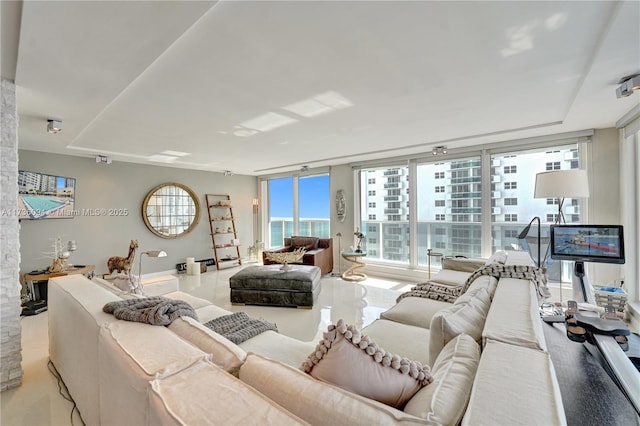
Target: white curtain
[{"x": 630, "y": 205}]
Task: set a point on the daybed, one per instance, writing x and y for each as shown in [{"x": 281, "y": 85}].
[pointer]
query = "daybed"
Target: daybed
[
  {"x": 318, "y": 252},
  {"x": 122, "y": 372}
]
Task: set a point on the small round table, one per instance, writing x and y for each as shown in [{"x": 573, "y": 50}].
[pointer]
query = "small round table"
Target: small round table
[{"x": 354, "y": 257}]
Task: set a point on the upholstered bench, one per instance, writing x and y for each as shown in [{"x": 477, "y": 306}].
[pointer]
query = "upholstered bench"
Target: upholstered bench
[{"x": 271, "y": 286}]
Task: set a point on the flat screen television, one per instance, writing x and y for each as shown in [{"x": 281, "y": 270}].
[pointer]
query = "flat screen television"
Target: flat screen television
[
  {"x": 44, "y": 196},
  {"x": 588, "y": 243}
]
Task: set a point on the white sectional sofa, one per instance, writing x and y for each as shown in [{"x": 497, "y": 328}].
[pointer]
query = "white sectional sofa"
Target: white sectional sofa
[{"x": 486, "y": 351}]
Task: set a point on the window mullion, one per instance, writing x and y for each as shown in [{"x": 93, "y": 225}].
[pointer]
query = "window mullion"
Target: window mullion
[
  {"x": 413, "y": 214},
  {"x": 296, "y": 206},
  {"x": 486, "y": 236}
]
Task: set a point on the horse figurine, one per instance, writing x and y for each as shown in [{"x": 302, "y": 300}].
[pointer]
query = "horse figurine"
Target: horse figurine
[{"x": 123, "y": 264}]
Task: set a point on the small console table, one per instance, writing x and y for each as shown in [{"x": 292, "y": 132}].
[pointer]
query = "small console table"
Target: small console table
[
  {"x": 44, "y": 276},
  {"x": 355, "y": 257}
]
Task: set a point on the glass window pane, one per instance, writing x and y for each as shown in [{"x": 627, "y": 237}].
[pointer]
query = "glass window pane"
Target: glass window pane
[
  {"x": 280, "y": 211},
  {"x": 512, "y": 196},
  {"x": 449, "y": 208},
  {"x": 385, "y": 213},
  {"x": 314, "y": 206}
]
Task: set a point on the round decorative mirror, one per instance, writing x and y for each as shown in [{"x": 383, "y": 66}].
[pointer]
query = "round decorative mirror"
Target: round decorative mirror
[{"x": 171, "y": 210}]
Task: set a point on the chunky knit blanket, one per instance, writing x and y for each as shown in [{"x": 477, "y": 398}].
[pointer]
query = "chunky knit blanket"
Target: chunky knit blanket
[
  {"x": 498, "y": 270},
  {"x": 150, "y": 310},
  {"x": 447, "y": 293},
  {"x": 239, "y": 326}
]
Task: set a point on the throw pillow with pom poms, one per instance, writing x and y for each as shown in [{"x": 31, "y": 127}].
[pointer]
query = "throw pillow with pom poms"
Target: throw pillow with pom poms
[{"x": 352, "y": 361}]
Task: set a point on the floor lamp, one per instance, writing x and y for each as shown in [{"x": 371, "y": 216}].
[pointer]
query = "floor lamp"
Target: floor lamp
[
  {"x": 339, "y": 235},
  {"x": 153, "y": 253},
  {"x": 561, "y": 184}
]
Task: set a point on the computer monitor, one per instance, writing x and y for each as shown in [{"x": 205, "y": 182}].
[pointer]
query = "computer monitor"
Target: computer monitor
[{"x": 587, "y": 243}]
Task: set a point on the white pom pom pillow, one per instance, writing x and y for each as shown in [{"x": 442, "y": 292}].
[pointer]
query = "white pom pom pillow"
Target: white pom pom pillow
[{"x": 353, "y": 362}]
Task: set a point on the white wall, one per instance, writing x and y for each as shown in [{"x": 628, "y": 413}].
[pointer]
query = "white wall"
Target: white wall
[
  {"x": 124, "y": 185},
  {"x": 342, "y": 178}
]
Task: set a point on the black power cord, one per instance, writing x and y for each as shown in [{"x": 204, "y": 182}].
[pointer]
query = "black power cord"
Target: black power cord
[{"x": 64, "y": 392}]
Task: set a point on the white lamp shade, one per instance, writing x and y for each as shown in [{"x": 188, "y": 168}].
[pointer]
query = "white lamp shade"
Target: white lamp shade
[{"x": 571, "y": 183}]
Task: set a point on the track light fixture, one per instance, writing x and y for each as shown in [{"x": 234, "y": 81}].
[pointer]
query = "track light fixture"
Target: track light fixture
[
  {"x": 54, "y": 126},
  {"x": 627, "y": 85},
  {"x": 439, "y": 150},
  {"x": 228, "y": 173},
  {"x": 304, "y": 169},
  {"x": 103, "y": 159}
]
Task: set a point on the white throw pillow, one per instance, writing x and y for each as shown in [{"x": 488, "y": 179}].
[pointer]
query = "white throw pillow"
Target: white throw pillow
[
  {"x": 444, "y": 401},
  {"x": 463, "y": 318},
  {"x": 497, "y": 257},
  {"x": 353, "y": 362}
]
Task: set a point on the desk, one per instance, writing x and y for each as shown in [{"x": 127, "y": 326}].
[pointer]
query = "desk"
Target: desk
[
  {"x": 351, "y": 274},
  {"x": 30, "y": 278}
]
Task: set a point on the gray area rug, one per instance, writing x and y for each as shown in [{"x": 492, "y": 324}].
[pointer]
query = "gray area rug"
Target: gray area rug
[{"x": 589, "y": 395}]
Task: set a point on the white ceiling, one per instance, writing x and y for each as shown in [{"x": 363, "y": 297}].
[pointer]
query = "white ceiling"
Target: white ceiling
[{"x": 264, "y": 87}]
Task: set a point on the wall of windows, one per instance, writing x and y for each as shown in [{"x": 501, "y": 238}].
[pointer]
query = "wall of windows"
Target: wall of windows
[
  {"x": 449, "y": 196},
  {"x": 297, "y": 205}
]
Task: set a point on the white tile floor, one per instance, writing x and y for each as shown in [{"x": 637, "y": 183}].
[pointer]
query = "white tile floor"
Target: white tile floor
[{"x": 38, "y": 402}]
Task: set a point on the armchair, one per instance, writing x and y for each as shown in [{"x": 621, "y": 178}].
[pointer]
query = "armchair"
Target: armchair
[{"x": 319, "y": 252}]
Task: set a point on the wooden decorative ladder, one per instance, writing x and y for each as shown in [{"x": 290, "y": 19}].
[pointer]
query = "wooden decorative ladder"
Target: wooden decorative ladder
[{"x": 226, "y": 249}]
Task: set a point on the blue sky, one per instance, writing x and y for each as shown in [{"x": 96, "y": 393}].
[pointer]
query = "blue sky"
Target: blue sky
[{"x": 314, "y": 197}]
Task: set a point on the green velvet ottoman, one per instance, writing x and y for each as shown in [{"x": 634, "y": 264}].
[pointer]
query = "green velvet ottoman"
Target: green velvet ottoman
[{"x": 270, "y": 286}]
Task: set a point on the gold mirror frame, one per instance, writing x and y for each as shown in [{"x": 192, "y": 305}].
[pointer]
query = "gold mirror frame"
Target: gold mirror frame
[{"x": 171, "y": 210}]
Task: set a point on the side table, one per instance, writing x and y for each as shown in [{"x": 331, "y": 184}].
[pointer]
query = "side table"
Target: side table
[
  {"x": 30, "y": 278},
  {"x": 431, "y": 254},
  {"x": 356, "y": 258}
]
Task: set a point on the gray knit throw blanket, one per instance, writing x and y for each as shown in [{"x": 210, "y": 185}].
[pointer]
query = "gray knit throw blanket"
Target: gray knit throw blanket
[
  {"x": 150, "y": 310},
  {"x": 498, "y": 270},
  {"x": 239, "y": 326}
]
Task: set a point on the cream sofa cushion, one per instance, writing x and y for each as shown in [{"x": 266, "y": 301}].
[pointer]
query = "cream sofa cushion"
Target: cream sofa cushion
[
  {"x": 444, "y": 401},
  {"x": 405, "y": 340},
  {"x": 314, "y": 401},
  {"x": 451, "y": 277},
  {"x": 497, "y": 257},
  {"x": 519, "y": 258},
  {"x": 462, "y": 264},
  {"x": 224, "y": 353},
  {"x": 353, "y": 361},
  {"x": 513, "y": 316},
  {"x": 525, "y": 378},
  {"x": 483, "y": 281},
  {"x": 203, "y": 394},
  {"x": 130, "y": 355},
  {"x": 416, "y": 311},
  {"x": 195, "y": 302},
  {"x": 463, "y": 318},
  {"x": 279, "y": 347}
]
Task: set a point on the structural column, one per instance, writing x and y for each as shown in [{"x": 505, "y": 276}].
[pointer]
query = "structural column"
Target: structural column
[{"x": 10, "y": 329}]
